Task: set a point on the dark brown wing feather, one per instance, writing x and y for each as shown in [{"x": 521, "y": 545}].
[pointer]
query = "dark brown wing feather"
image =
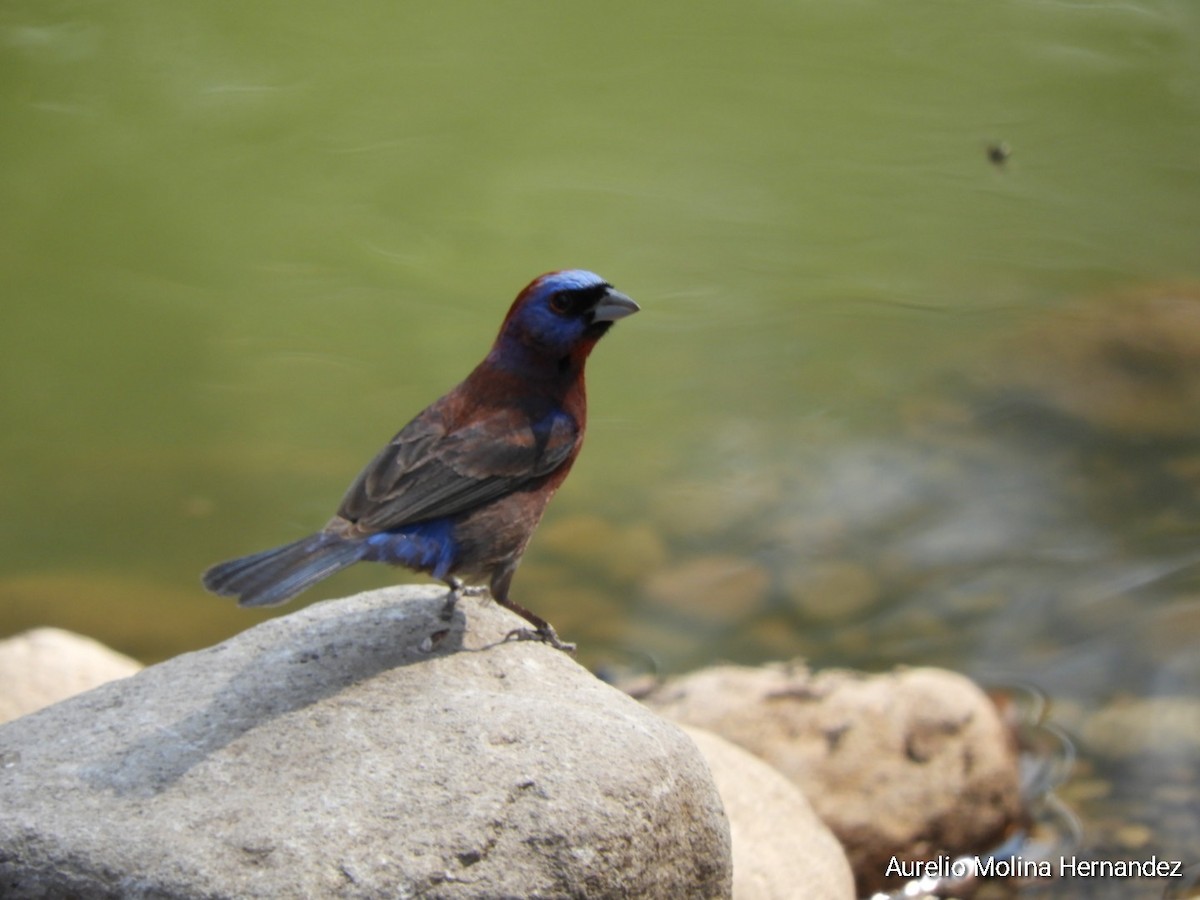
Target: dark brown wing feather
[{"x": 426, "y": 472}]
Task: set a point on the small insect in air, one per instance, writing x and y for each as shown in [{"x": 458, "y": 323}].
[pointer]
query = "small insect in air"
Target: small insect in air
[{"x": 998, "y": 153}]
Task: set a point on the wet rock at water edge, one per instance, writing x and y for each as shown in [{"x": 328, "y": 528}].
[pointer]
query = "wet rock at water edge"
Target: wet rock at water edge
[
  {"x": 913, "y": 764},
  {"x": 1127, "y": 363}
]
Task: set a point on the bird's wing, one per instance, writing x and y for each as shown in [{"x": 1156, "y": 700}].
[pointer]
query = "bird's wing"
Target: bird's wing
[{"x": 426, "y": 472}]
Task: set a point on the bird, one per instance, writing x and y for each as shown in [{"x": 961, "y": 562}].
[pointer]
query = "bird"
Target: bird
[{"x": 459, "y": 491}]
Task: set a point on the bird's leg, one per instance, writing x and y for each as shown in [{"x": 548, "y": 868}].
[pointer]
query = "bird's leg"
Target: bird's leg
[
  {"x": 456, "y": 587},
  {"x": 457, "y": 590},
  {"x": 541, "y": 629}
]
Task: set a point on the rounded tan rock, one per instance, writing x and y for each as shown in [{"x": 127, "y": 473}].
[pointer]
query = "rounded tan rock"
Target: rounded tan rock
[
  {"x": 45, "y": 665},
  {"x": 912, "y": 763}
]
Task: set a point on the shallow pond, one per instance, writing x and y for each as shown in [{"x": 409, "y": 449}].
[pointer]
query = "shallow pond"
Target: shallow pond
[{"x": 916, "y": 379}]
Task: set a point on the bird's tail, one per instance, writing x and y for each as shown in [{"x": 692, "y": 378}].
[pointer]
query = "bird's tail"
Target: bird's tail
[{"x": 274, "y": 576}]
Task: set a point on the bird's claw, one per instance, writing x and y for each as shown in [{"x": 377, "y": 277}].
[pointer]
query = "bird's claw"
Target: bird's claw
[{"x": 546, "y": 635}]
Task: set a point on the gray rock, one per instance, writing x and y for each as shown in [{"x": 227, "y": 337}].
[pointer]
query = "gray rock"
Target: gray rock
[{"x": 359, "y": 748}]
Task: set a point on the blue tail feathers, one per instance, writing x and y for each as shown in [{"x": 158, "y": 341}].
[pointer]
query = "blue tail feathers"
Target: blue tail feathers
[{"x": 275, "y": 576}]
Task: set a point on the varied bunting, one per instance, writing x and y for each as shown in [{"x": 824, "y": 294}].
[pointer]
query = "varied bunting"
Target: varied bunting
[{"x": 459, "y": 491}]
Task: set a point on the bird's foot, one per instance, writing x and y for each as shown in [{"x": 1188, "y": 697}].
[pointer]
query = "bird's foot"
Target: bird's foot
[
  {"x": 458, "y": 589},
  {"x": 546, "y": 635}
]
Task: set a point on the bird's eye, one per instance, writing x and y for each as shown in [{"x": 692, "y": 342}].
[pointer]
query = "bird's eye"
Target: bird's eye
[{"x": 560, "y": 302}]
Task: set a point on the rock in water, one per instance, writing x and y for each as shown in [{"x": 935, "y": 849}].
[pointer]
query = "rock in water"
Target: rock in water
[{"x": 359, "y": 748}]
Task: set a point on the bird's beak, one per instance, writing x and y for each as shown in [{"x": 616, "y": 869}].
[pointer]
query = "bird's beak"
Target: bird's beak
[{"x": 612, "y": 306}]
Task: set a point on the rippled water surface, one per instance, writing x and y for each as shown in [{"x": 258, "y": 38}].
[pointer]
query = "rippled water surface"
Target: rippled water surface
[{"x": 917, "y": 378}]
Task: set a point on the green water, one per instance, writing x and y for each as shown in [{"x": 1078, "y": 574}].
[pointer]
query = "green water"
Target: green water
[{"x": 241, "y": 244}]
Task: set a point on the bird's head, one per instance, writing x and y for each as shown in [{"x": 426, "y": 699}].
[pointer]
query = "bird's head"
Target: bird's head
[{"x": 561, "y": 315}]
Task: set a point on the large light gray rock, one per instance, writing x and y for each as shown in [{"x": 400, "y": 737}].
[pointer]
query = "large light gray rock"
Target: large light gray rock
[{"x": 359, "y": 748}]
